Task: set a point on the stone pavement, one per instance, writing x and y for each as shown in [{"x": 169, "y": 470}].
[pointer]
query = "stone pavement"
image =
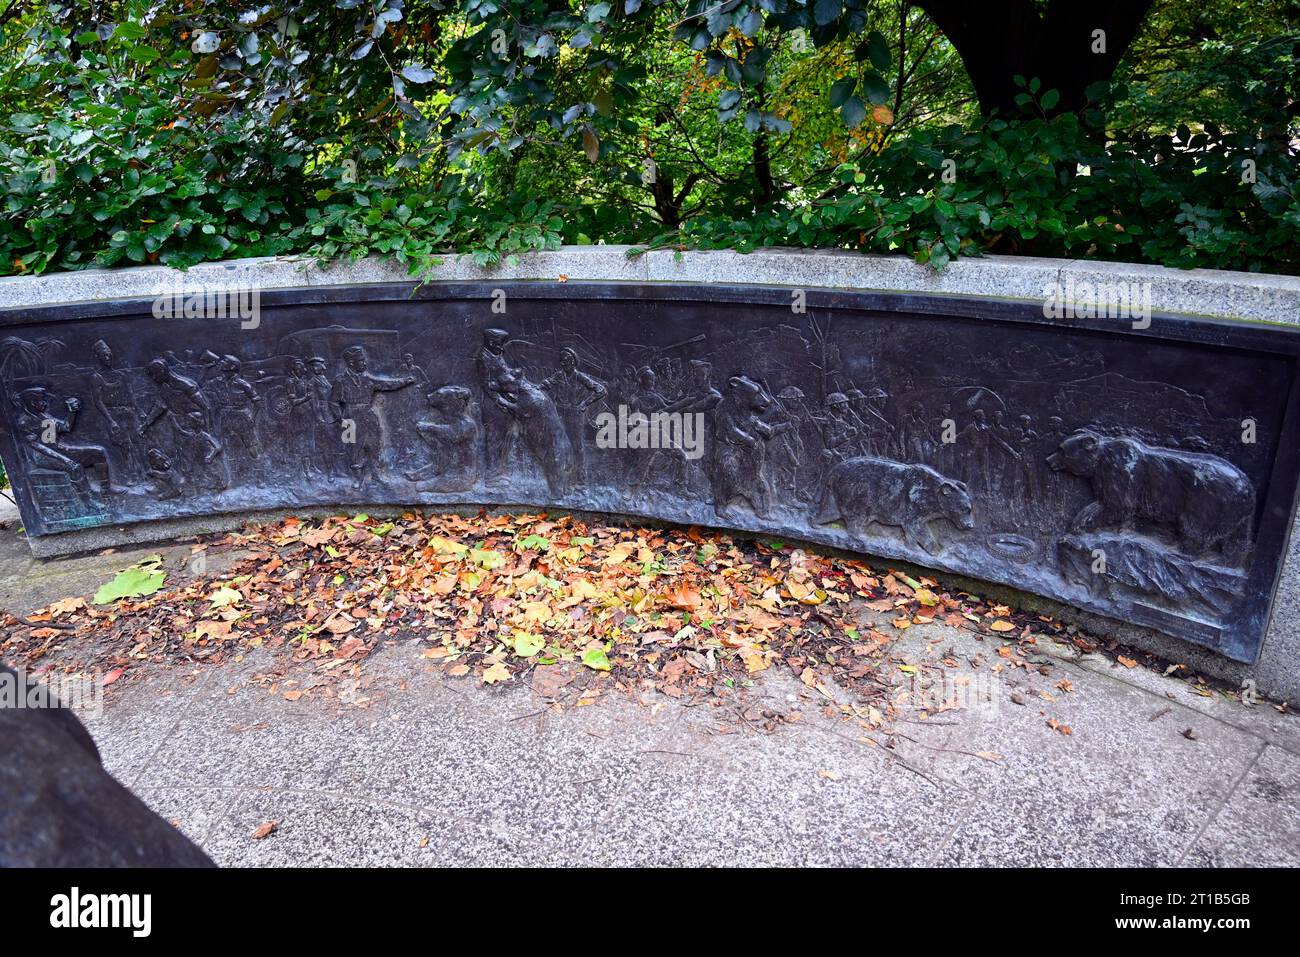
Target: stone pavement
[{"x": 440, "y": 771}]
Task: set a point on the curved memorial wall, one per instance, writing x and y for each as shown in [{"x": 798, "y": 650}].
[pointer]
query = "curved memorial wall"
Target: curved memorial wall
[{"x": 1137, "y": 464}]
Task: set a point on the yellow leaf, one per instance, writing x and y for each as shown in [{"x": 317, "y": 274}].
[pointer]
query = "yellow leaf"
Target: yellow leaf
[
  {"x": 498, "y": 672},
  {"x": 65, "y": 605},
  {"x": 445, "y": 546},
  {"x": 225, "y": 596},
  {"x": 926, "y": 597},
  {"x": 619, "y": 553},
  {"x": 1002, "y": 625}
]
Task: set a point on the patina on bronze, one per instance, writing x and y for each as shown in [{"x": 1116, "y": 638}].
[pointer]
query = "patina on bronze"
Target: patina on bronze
[{"x": 1148, "y": 474}]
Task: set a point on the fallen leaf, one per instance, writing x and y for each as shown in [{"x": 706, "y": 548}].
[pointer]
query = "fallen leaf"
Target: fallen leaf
[
  {"x": 596, "y": 659},
  {"x": 225, "y": 596},
  {"x": 66, "y": 605},
  {"x": 136, "y": 581},
  {"x": 496, "y": 673}
]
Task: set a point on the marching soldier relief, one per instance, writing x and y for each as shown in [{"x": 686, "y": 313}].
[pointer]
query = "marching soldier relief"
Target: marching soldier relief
[{"x": 1075, "y": 459}]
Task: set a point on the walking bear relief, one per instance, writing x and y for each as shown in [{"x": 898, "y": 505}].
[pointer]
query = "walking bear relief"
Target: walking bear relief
[{"x": 863, "y": 490}]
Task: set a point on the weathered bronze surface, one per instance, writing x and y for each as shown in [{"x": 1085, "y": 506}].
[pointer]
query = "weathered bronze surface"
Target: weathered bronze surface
[{"x": 1149, "y": 475}]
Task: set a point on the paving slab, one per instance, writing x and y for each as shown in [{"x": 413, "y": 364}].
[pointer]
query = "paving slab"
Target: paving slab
[
  {"x": 507, "y": 772},
  {"x": 797, "y": 797},
  {"x": 1088, "y": 770},
  {"x": 138, "y": 715},
  {"x": 314, "y": 829},
  {"x": 1254, "y": 715},
  {"x": 241, "y": 735},
  {"x": 196, "y": 811},
  {"x": 1259, "y": 825}
]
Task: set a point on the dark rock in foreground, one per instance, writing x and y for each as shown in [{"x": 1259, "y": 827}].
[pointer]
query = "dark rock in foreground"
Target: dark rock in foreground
[{"x": 61, "y": 808}]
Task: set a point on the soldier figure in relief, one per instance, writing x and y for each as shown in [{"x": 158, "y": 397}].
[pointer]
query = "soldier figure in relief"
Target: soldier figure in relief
[
  {"x": 840, "y": 436},
  {"x": 787, "y": 454},
  {"x": 917, "y": 444},
  {"x": 235, "y": 402},
  {"x": 416, "y": 371},
  {"x": 699, "y": 397},
  {"x": 301, "y": 445},
  {"x": 978, "y": 440},
  {"x": 650, "y": 466},
  {"x": 324, "y": 416},
  {"x": 354, "y": 395},
  {"x": 574, "y": 392}
]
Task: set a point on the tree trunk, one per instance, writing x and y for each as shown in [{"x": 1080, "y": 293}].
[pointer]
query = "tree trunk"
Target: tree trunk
[
  {"x": 999, "y": 40},
  {"x": 665, "y": 201}
]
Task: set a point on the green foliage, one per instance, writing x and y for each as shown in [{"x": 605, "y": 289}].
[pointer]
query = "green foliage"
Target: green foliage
[
  {"x": 1045, "y": 187},
  {"x": 161, "y": 131}
]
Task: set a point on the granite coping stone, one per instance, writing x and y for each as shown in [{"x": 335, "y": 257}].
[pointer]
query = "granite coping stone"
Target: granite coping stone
[{"x": 1209, "y": 292}]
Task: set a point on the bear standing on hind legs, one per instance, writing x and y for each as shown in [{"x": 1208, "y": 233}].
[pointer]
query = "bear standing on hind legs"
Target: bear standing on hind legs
[{"x": 740, "y": 448}]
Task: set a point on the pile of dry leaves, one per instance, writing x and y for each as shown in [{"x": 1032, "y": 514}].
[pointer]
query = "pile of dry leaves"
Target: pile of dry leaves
[{"x": 683, "y": 612}]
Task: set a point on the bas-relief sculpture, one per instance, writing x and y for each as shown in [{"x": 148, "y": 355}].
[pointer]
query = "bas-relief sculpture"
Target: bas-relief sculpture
[{"x": 1064, "y": 462}]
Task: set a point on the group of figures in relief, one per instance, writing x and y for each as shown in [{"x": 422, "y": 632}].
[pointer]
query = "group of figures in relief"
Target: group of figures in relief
[
  {"x": 202, "y": 424},
  {"x": 928, "y": 465}
]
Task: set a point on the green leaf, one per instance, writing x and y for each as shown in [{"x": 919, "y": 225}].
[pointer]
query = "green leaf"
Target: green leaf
[
  {"x": 417, "y": 73},
  {"x": 129, "y": 31},
  {"x": 826, "y": 11},
  {"x": 486, "y": 558},
  {"x": 596, "y": 659},
  {"x": 527, "y": 644},
  {"x": 224, "y": 596},
  {"x": 841, "y": 90},
  {"x": 875, "y": 89},
  {"x": 877, "y": 50},
  {"x": 854, "y": 111},
  {"x": 142, "y": 579}
]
